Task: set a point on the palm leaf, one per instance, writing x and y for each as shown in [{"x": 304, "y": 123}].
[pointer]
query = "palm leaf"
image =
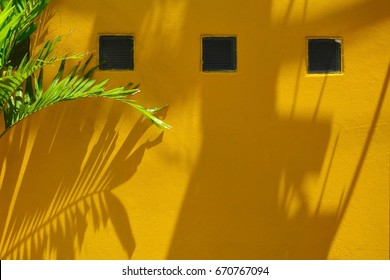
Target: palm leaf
[
  {"x": 28, "y": 10},
  {"x": 17, "y": 23},
  {"x": 9, "y": 23},
  {"x": 12, "y": 80},
  {"x": 21, "y": 88},
  {"x": 74, "y": 85}
]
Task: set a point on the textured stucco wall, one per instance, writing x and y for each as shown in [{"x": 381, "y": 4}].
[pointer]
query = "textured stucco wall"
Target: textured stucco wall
[{"x": 268, "y": 162}]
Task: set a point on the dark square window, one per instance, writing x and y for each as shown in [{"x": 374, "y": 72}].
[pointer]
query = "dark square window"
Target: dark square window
[
  {"x": 116, "y": 53},
  {"x": 18, "y": 53},
  {"x": 219, "y": 54},
  {"x": 324, "y": 56}
]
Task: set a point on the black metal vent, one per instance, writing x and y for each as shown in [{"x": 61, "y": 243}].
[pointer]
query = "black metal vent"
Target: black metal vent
[
  {"x": 219, "y": 54},
  {"x": 324, "y": 56},
  {"x": 116, "y": 52},
  {"x": 19, "y": 52}
]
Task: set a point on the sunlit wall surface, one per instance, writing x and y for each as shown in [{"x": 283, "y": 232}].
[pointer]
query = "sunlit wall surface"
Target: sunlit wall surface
[{"x": 266, "y": 161}]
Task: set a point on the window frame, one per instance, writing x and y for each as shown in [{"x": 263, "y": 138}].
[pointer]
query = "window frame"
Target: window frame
[
  {"x": 204, "y": 36},
  {"x": 16, "y": 54},
  {"x": 335, "y": 38},
  {"x": 132, "y": 53}
]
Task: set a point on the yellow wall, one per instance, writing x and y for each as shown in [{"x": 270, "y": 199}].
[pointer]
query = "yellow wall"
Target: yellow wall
[{"x": 268, "y": 162}]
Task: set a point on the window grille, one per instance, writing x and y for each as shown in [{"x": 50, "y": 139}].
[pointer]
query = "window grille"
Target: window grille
[
  {"x": 324, "y": 55},
  {"x": 18, "y": 53},
  {"x": 219, "y": 54},
  {"x": 116, "y": 53}
]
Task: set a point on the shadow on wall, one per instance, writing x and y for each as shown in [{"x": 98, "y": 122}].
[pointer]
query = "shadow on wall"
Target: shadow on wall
[
  {"x": 247, "y": 184},
  {"x": 248, "y": 197},
  {"x": 68, "y": 171}
]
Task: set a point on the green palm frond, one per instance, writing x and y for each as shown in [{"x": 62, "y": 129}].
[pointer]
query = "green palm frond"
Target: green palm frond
[
  {"x": 17, "y": 24},
  {"x": 9, "y": 23},
  {"x": 12, "y": 79},
  {"x": 74, "y": 85},
  {"x": 21, "y": 87},
  {"x": 27, "y": 10}
]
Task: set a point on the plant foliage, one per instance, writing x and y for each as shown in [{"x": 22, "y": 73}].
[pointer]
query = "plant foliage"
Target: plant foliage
[{"x": 22, "y": 92}]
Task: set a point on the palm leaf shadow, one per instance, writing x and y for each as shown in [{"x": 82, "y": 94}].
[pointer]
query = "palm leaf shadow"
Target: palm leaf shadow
[{"x": 55, "y": 227}]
